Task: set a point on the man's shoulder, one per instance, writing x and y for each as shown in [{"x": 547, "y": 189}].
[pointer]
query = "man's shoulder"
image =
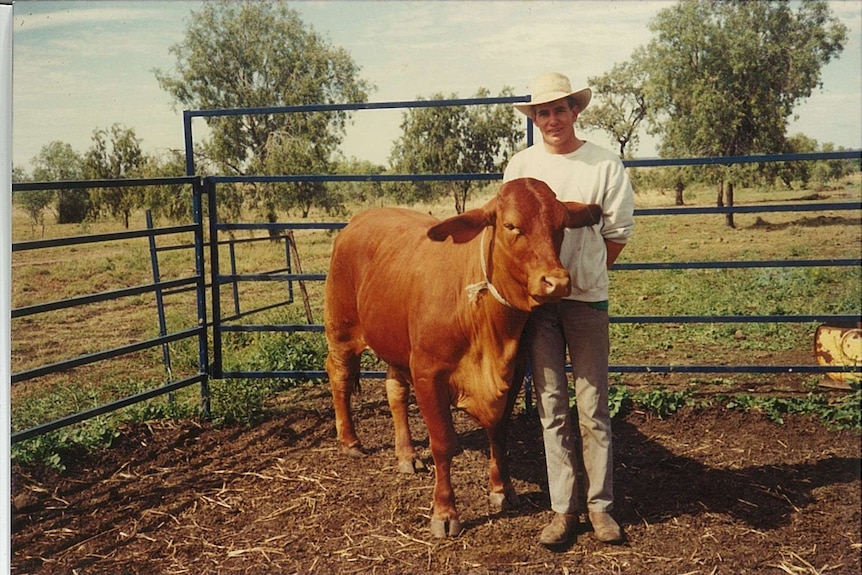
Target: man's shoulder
[
  {"x": 527, "y": 152},
  {"x": 600, "y": 152},
  {"x": 521, "y": 162}
]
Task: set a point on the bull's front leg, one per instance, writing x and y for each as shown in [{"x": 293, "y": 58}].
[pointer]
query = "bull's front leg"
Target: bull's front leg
[
  {"x": 502, "y": 492},
  {"x": 398, "y": 395},
  {"x": 433, "y": 401}
]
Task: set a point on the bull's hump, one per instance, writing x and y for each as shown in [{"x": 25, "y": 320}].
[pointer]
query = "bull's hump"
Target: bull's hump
[
  {"x": 387, "y": 217},
  {"x": 398, "y": 229}
]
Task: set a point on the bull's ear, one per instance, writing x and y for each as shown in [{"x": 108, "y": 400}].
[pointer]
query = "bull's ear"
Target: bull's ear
[
  {"x": 464, "y": 227},
  {"x": 583, "y": 215}
]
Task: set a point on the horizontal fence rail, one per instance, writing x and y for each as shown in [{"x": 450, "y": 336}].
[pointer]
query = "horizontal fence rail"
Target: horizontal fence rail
[{"x": 97, "y": 238}]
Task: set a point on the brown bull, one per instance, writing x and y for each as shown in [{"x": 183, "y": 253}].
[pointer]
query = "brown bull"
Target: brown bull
[{"x": 444, "y": 304}]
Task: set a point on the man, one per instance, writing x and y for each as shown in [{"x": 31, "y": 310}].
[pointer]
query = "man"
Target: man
[{"x": 576, "y": 170}]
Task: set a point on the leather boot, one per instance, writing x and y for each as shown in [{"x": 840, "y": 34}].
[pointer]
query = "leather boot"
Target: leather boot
[
  {"x": 559, "y": 530},
  {"x": 605, "y": 528}
]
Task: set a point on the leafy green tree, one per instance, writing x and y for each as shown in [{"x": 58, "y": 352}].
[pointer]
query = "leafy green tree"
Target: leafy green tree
[
  {"x": 115, "y": 154},
  {"x": 366, "y": 193},
  {"x": 173, "y": 202},
  {"x": 833, "y": 170},
  {"x": 621, "y": 106},
  {"x": 430, "y": 142},
  {"x": 725, "y": 76},
  {"x": 452, "y": 140},
  {"x": 259, "y": 54},
  {"x": 821, "y": 172},
  {"x": 57, "y": 162},
  {"x": 788, "y": 172},
  {"x": 33, "y": 202},
  {"x": 287, "y": 154},
  {"x": 19, "y": 174}
]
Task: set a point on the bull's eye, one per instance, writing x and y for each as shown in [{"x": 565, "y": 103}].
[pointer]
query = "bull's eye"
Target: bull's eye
[{"x": 512, "y": 228}]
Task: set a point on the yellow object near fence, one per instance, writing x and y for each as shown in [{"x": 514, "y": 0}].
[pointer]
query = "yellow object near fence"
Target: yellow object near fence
[{"x": 840, "y": 346}]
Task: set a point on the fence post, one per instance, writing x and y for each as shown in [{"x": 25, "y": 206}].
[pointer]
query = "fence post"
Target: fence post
[
  {"x": 235, "y": 283},
  {"x": 160, "y": 302},
  {"x": 198, "y": 189},
  {"x": 216, "y": 366}
]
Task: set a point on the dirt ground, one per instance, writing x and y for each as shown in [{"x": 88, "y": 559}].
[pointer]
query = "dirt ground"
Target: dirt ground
[{"x": 703, "y": 492}]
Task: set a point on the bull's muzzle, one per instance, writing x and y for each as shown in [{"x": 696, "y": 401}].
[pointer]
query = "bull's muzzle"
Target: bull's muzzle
[{"x": 552, "y": 286}]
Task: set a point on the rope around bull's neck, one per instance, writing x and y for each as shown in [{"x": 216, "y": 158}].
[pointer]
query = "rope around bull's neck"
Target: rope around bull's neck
[{"x": 474, "y": 289}]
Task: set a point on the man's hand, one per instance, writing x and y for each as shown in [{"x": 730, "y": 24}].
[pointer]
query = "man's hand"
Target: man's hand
[{"x": 614, "y": 250}]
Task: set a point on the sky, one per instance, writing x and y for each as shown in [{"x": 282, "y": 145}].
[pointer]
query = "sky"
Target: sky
[{"x": 81, "y": 66}]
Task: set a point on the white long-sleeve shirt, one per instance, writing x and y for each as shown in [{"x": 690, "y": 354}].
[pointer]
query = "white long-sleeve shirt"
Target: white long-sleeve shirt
[{"x": 590, "y": 174}]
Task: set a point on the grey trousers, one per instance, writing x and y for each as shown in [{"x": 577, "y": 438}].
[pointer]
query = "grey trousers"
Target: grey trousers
[{"x": 584, "y": 330}]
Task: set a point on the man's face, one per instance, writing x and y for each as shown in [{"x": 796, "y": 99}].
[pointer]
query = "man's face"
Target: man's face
[{"x": 556, "y": 121}]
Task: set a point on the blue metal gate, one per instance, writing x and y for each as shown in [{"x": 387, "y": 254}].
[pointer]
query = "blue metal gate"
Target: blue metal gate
[
  {"x": 194, "y": 282},
  {"x": 223, "y": 324}
]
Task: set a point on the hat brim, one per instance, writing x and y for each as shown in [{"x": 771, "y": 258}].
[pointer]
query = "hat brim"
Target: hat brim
[{"x": 582, "y": 98}]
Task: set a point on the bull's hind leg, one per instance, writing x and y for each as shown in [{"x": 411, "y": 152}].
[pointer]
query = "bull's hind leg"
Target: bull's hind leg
[
  {"x": 398, "y": 394},
  {"x": 342, "y": 365}
]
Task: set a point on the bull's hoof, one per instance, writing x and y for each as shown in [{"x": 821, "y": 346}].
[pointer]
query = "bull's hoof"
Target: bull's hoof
[
  {"x": 441, "y": 528},
  {"x": 503, "y": 501},
  {"x": 353, "y": 451},
  {"x": 412, "y": 466}
]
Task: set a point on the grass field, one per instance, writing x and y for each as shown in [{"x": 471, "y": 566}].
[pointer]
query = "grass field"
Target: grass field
[{"x": 40, "y": 276}]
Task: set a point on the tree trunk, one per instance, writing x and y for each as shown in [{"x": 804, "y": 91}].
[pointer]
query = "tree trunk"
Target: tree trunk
[
  {"x": 728, "y": 218},
  {"x": 719, "y": 201},
  {"x": 460, "y": 195},
  {"x": 272, "y": 217}
]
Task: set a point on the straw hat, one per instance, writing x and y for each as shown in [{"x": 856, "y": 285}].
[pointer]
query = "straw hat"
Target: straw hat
[{"x": 553, "y": 86}]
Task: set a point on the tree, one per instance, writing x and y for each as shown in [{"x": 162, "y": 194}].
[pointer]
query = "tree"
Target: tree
[
  {"x": 725, "y": 76},
  {"x": 787, "y": 172},
  {"x": 622, "y": 104},
  {"x": 259, "y": 54},
  {"x": 287, "y": 154},
  {"x": 363, "y": 192},
  {"x": 33, "y": 202},
  {"x": 173, "y": 202},
  {"x": 452, "y": 140},
  {"x": 57, "y": 162},
  {"x": 115, "y": 154},
  {"x": 19, "y": 174}
]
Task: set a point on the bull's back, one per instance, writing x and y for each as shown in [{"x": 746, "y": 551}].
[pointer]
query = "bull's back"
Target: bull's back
[
  {"x": 378, "y": 243},
  {"x": 383, "y": 276}
]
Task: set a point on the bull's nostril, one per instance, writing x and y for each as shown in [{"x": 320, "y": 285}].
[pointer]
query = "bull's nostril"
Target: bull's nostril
[{"x": 556, "y": 285}]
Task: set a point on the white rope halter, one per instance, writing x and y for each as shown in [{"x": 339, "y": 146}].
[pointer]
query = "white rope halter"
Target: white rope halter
[{"x": 474, "y": 289}]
